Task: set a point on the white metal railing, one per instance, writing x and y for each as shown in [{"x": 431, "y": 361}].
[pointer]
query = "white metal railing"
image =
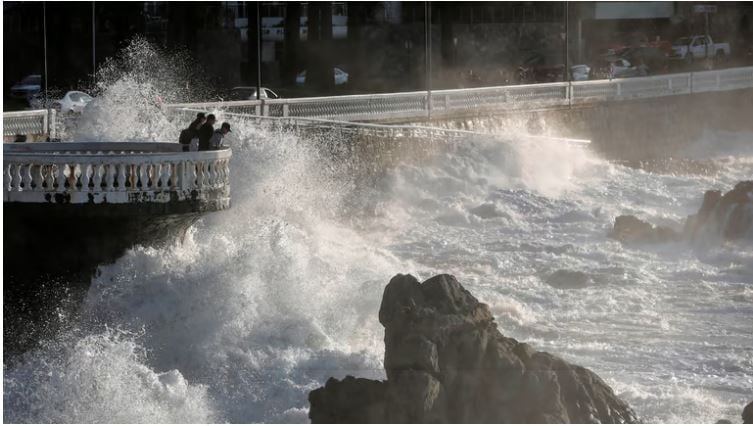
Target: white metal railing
[
  {"x": 28, "y": 122},
  {"x": 416, "y": 105},
  {"x": 110, "y": 172}
]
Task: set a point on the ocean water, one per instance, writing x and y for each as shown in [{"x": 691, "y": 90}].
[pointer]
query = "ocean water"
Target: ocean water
[{"x": 262, "y": 303}]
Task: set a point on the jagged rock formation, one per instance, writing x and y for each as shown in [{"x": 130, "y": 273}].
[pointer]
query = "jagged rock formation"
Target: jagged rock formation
[
  {"x": 447, "y": 362},
  {"x": 728, "y": 216}
]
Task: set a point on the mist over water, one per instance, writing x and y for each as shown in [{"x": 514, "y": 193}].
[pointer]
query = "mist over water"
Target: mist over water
[{"x": 262, "y": 303}]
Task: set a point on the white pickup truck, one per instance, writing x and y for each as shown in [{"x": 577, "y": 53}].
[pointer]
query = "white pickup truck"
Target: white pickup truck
[{"x": 696, "y": 47}]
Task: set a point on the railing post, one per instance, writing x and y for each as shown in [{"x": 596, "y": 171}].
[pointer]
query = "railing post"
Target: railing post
[
  {"x": 619, "y": 89},
  {"x": 285, "y": 109},
  {"x": 46, "y": 122},
  {"x": 264, "y": 108},
  {"x": 52, "y": 131}
]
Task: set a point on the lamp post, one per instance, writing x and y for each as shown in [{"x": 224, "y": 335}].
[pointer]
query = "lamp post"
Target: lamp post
[
  {"x": 94, "y": 46},
  {"x": 258, "y": 51},
  {"x": 44, "y": 31},
  {"x": 427, "y": 55}
]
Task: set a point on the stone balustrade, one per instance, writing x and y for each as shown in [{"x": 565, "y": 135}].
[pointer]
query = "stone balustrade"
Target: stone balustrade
[{"x": 113, "y": 173}]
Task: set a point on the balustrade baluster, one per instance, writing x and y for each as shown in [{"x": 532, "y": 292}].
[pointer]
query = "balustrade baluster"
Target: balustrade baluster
[
  {"x": 121, "y": 173},
  {"x": 175, "y": 176},
  {"x": 60, "y": 178},
  {"x": 38, "y": 178},
  {"x": 26, "y": 179},
  {"x": 49, "y": 177},
  {"x": 18, "y": 179},
  {"x": 142, "y": 178},
  {"x": 165, "y": 176},
  {"x": 85, "y": 177},
  {"x": 97, "y": 177},
  {"x": 8, "y": 177}
]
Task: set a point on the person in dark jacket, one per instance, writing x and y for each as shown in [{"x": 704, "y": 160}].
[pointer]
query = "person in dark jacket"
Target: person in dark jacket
[
  {"x": 205, "y": 133},
  {"x": 191, "y": 132}
]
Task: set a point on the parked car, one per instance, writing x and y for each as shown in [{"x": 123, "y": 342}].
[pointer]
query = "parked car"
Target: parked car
[
  {"x": 696, "y": 47},
  {"x": 244, "y": 93},
  {"x": 655, "y": 59},
  {"x": 580, "y": 72},
  {"x": 541, "y": 68},
  {"x": 73, "y": 101},
  {"x": 341, "y": 77},
  {"x": 27, "y": 87},
  {"x": 618, "y": 68}
]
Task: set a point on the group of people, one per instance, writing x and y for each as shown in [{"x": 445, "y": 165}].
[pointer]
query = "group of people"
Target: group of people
[{"x": 200, "y": 135}]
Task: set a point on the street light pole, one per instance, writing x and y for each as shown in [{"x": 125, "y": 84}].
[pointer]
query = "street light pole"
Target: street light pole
[
  {"x": 258, "y": 51},
  {"x": 44, "y": 30},
  {"x": 427, "y": 55},
  {"x": 94, "y": 46}
]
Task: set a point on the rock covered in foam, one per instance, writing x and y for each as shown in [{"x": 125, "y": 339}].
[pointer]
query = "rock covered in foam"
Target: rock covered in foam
[
  {"x": 629, "y": 229},
  {"x": 447, "y": 362},
  {"x": 728, "y": 216}
]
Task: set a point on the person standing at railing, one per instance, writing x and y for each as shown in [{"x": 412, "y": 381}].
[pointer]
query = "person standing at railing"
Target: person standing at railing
[
  {"x": 217, "y": 137},
  {"x": 191, "y": 134},
  {"x": 205, "y": 132}
]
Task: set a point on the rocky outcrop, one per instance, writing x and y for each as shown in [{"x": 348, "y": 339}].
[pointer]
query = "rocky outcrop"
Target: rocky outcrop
[
  {"x": 748, "y": 413},
  {"x": 728, "y": 216},
  {"x": 447, "y": 362},
  {"x": 628, "y": 229}
]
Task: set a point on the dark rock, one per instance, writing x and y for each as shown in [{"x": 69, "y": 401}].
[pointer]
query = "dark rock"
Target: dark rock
[
  {"x": 447, "y": 362},
  {"x": 566, "y": 279},
  {"x": 629, "y": 229},
  {"x": 729, "y": 215},
  {"x": 748, "y": 413}
]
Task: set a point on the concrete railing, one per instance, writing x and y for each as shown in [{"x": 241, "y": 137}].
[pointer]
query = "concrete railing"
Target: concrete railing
[
  {"x": 111, "y": 173},
  {"x": 35, "y": 122}
]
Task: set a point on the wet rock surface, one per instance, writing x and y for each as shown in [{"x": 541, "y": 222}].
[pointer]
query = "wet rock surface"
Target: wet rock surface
[
  {"x": 628, "y": 229},
  {"x": 728, "y": 216},
  {"x": 447, "y": 362}
]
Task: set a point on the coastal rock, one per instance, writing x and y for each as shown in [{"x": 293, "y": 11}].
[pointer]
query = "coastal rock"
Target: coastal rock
[
  {"x": 748, "y": 413},
  {"x": 728, "y": 216},
  {"x": 567, "y": 279},
  {"x": 447, "y": 362},
  {"x": 628, "y": 229}
]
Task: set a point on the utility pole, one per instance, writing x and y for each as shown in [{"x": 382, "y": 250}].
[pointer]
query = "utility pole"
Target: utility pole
[
  {"x": 258, "y": 51},
  {"x": 567, "y": 41},
  {"x": 427, "y": 55},
  {"x": 44, "y": 30},
  {"x": 94, "y": 46}
]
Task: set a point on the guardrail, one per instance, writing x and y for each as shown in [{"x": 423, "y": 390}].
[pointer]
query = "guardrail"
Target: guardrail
[
  {"x": 412, "y": 105},
  {"x": 111, "y": 172},
  {"x": 453, "y": 102}
]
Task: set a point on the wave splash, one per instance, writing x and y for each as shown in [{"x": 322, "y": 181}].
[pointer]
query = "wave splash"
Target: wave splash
[{"x": 260, "y": 304}]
